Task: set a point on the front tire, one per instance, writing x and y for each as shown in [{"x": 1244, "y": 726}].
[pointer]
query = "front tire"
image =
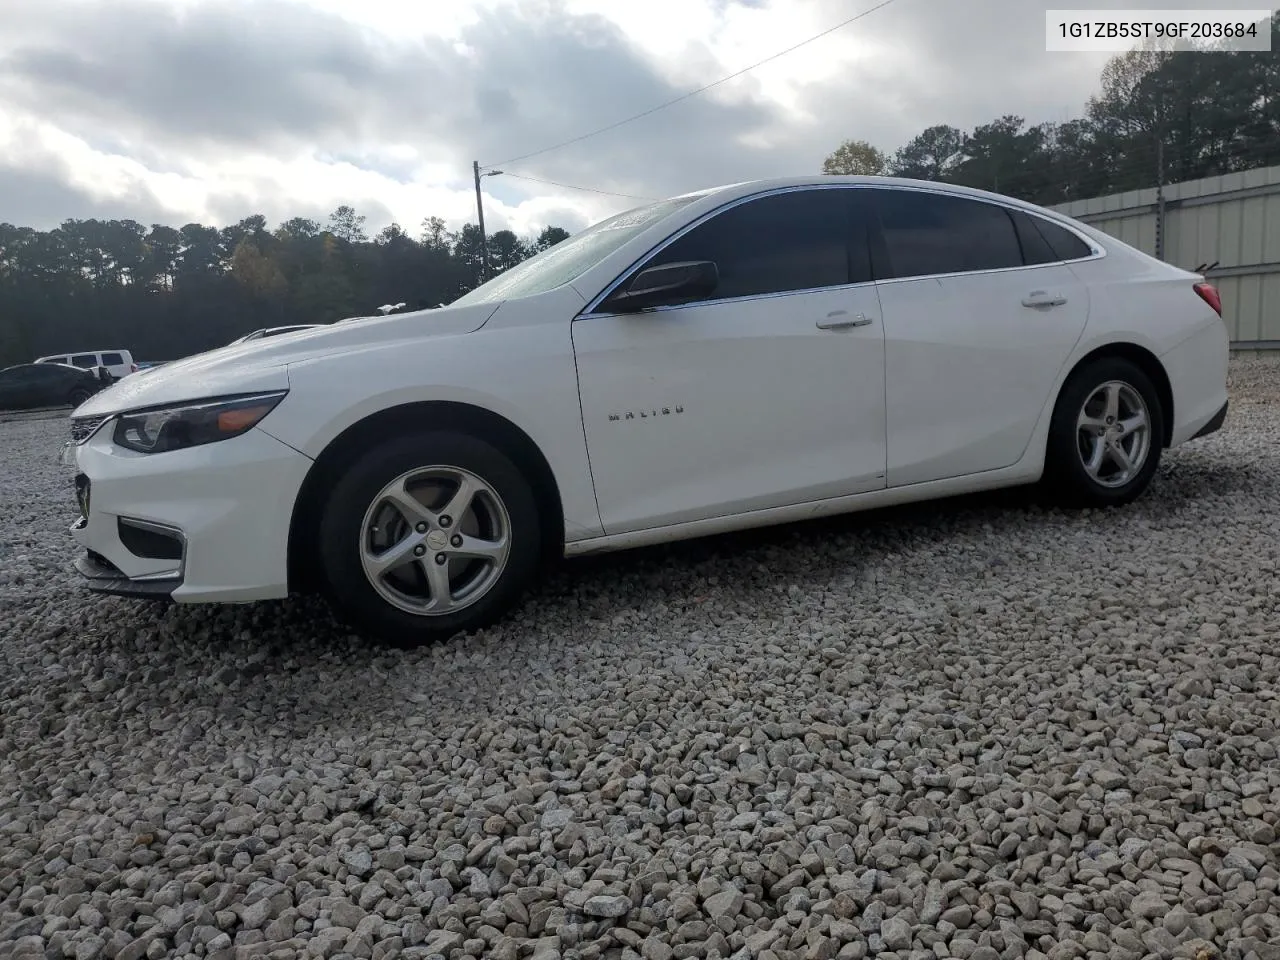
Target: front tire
[
  {"x": 427, "y": 536},
  {"x": 1106, "y": 435},
  {"x": 78, "y": 396}
]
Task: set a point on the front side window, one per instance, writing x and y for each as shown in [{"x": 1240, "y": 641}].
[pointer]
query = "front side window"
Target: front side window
[
  {"x": 85, "y": 360},
  {"x": 797, "y": 240},
  {"x": 930, "y": 233}
]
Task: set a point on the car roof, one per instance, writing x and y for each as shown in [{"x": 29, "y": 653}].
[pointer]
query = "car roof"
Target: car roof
[
  {"x": 76, "y": 353},
  {"x": 746, "y": 188},
  {"x": 37, "y": 363}
]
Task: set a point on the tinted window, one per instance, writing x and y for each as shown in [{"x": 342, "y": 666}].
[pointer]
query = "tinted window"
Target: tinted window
[
  {"x": 36, "y": 373},
  {"x": 928, "y": 233},
  {"x": 85, "y": 360},
  {"x": 788, "y": 241},
  {"x": 112, "y": 359},
  {"x": 1065, "y": 244},
  {"x": 1035, "y": 249}
]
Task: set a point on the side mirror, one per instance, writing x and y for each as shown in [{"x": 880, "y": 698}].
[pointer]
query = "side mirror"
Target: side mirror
[{"x": 659, "y": 285}]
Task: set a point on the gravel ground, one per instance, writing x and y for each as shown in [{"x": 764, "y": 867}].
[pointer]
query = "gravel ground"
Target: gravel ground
[{"x": 977, "y": 729}]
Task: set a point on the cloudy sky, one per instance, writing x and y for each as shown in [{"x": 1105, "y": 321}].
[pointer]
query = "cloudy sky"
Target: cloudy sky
[{"x": 211, "y": 110}]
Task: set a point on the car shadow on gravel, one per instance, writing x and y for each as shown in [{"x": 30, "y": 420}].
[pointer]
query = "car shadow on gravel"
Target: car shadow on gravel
[{"x": 1182, "y": 483}]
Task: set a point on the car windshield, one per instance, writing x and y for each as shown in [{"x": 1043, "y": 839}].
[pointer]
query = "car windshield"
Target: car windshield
[{"x": 571, "y": 258}]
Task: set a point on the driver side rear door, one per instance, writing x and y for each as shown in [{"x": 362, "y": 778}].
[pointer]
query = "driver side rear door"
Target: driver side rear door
[{"x": 768, "y": 392}]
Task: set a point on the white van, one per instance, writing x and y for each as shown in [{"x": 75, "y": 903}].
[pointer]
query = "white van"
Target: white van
[{"x": 118, "y": 362}]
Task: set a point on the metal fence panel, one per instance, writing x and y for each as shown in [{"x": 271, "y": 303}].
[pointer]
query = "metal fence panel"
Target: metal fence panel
[{"x": 1232, "y": 220}]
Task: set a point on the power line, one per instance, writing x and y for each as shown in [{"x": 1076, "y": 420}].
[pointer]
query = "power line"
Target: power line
[
  {"x": 694, "y": 93},
  {"x": 570, "y": 186}
]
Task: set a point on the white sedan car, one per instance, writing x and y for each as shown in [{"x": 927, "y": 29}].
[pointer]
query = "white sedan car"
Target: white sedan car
[{"x": 741, "y": 356}]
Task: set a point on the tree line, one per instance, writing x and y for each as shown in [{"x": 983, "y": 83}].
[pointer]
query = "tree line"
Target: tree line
[
  {"x": 164, "y": 292},
  {"x": 1177, "y": 114}
]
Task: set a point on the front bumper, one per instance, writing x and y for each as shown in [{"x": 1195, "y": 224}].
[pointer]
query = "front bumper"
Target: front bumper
[
  {"x": 102, "y": 576},
  {"x": 209, "y": 523}
]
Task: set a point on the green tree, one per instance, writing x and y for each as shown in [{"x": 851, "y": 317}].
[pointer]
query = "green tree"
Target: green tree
[
  {"x": 505, "y": 251},
  {"x": 168, "y": 292},
  {"x": 549, "y": 237},
  {"x": 1003, "y": 157},
  {"x": 931, "y": 155},
  {"x": 855, "y": 157},
  {"x": 346, "y": 224},
  {"x": 435, "y": 234},
  {"x": 257, "y": 273}
]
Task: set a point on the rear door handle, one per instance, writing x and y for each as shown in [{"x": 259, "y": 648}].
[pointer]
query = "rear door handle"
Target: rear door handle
[
  {"x": 842, "y": 321},
  {"x": 1038, "y": 298}
]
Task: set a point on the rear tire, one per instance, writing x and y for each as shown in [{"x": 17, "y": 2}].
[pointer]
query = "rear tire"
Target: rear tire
[
  {"x": 1106, "y": 435},
  {"x": 78, "y": 396},
  {"x": 426, "y": 536}
]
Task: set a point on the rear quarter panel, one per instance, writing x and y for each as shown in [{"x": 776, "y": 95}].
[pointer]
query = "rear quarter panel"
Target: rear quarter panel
[{"x": 1138, "y": 299}]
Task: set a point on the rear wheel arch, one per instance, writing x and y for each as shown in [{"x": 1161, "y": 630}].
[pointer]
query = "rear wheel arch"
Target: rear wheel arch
[
  {"x": 1144, "y": 360},
  {"x": 409, "y": 418}
]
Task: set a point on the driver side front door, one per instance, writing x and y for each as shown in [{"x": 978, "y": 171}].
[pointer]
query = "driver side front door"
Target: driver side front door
[{"x": 768, "y": 392}]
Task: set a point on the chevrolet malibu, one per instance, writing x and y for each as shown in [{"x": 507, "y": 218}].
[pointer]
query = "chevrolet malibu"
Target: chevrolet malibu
[{"x": 741, "y": 356}]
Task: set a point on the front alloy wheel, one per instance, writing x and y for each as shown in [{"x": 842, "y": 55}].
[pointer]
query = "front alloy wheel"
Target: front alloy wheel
[
  {"x": 428, "y": 535},
  {"x": 435, "y": 540}
]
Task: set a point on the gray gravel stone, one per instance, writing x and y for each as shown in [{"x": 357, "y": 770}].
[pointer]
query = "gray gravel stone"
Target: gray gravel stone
[{"x": 976, "y": 729}]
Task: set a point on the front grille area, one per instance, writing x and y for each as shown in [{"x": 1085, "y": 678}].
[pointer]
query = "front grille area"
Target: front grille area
[{"x": 82, "y": 428}]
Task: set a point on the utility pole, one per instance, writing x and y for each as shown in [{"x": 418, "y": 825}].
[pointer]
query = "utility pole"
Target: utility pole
[
  {"x": 484, "y": 242},
  {"x": 1160, "y": 207},
  {"x": 1160, "y": 211}
]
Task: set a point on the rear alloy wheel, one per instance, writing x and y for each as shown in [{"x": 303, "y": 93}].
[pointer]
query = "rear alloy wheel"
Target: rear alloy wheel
[
  {"x": 429, "y": 536},
  {"x": 1106, "y": 435}
]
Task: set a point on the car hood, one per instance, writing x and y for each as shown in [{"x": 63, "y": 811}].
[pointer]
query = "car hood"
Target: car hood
[{"x": 261, "y": 365}]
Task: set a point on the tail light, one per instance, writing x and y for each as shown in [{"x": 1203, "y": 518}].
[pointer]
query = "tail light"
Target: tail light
[
  {"x": 1209, "y": 294},
  {"x": 133, "y": 368}
]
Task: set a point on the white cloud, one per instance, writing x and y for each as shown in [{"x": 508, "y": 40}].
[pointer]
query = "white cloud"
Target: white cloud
[{"x": 383, "y": 103}]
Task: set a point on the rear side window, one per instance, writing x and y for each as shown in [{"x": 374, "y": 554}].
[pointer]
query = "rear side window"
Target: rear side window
[
  {"x": 1035, "y": 248},
  {"x": 85, "y": 360},
  {"x": 930, "y": 233},
  {"x": 797, "y": 240},
  {"x": 112, "y": 359},
  {"x": 1065, "y": 244}
]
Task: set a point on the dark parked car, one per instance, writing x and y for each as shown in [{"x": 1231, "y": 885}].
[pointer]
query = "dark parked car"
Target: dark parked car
[{"x": 31, "y": 385}]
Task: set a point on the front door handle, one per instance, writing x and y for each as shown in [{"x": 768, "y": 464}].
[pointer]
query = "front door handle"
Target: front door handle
[
  {"x": 842, "y": 321},
  {"x": 1038, "y": 298}
]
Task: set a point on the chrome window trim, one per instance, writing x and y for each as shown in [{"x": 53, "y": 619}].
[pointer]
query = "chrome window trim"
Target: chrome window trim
[{"x": 588, "y": 312}]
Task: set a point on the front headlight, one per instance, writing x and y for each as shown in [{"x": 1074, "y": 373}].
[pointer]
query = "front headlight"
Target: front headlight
[{"x": 190, "y": 424}]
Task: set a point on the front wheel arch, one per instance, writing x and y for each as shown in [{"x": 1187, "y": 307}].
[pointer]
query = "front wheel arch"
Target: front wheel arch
[{"x": 411, "y": 418}]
